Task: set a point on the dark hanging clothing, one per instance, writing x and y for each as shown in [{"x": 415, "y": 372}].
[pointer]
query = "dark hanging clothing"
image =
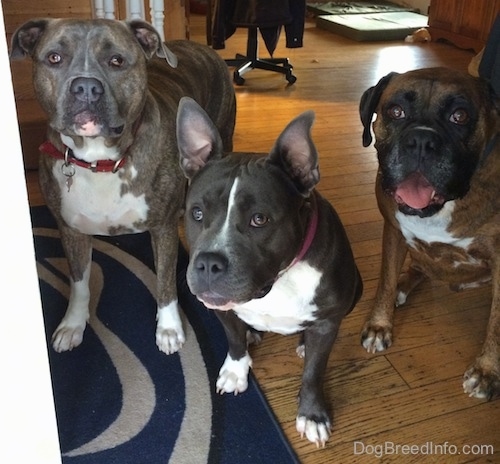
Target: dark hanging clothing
[{"x": 269, "y": 16}]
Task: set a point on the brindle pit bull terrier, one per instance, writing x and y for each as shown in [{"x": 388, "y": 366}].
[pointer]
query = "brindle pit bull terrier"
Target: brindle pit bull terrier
[
  {"x": 438, "y": 189},
  {"x": 267, "y": 252},
  {"x": 110, "y": 165}
]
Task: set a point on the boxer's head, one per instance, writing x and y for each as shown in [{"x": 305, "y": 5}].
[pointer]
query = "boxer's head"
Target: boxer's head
[{"x": 433, "y": 128}]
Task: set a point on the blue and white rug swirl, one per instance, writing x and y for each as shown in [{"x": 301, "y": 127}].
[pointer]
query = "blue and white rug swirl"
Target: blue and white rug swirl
[{"x": 118, "y": 398}]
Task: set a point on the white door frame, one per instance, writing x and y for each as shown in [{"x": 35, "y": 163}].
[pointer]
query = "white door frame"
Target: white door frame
[{"x": 27, "y": 416}]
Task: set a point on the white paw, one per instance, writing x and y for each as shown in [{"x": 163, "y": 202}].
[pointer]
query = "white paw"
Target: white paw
[
  {"x": 233, "y": 375},
  {"x": 66, "y": 336},
  {"x": 401, "y": 298},
  {"x": 374, "y": 344},
  {"x": 376, "y": 338},
  {"x": 301, "y": 351},
  {"x": 169, "y": 332},
  {"x": 169, "y": 341},
  {"x": 472, "y": 387},
  {"x": 481, "y": 383},
  {"x": 316, "y": 432},
  {"x": 69, "y": 332}
]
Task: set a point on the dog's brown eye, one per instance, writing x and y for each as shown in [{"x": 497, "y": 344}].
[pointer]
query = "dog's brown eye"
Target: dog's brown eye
[
  {"x": 116, "y": 61},
  {"x": 259, "y": 220},
  {"x": 54, "y": 58},
  {"x": 197, "y": 214},
  {"x": 460, "y": 117},
  {"x": 396, "y": 112}
]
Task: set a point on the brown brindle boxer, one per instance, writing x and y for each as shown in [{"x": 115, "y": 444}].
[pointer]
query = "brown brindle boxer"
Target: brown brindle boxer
[{"x": 438, "y": 189}]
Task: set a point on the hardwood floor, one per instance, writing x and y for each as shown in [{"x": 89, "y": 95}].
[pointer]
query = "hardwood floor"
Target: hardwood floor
[{"x": 411, "y": 394}]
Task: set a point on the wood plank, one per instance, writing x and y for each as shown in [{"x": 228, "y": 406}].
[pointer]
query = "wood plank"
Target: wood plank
[
  {"x": 447, "y": 438},
  {"x": 390, "y": 418}
]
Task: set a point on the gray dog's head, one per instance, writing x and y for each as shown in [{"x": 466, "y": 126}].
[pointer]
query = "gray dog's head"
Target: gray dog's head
[
  {"x": 246, "y": 214},
  {"x": 89, "y": 75},
  {"x": 433, "y": 128}
]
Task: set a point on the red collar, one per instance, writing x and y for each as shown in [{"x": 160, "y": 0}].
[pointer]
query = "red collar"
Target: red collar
[{"x": 96, "y": 166}]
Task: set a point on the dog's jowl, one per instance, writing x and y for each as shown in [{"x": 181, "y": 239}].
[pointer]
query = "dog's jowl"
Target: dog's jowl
[
  {"x": 438, "y": 189},
  {"x": 110, "y": 163},
  {"x": 267, "y": 252}
]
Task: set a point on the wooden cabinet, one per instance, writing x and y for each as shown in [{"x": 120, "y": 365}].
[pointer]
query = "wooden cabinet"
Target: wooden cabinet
[{"x": 465, "y": 23}]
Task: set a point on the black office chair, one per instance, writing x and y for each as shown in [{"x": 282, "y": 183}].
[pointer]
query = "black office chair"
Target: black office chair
[{"x": 268, "y": 17}]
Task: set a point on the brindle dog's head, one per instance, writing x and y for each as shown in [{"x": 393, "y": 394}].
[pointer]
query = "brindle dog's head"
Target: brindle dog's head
[
  {"x": 89, "y": 75},
  {"x": 433, "y": 128}
]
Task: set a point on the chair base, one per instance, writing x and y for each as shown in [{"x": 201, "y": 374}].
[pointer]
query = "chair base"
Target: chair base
[{"x": 245, "y": 63}]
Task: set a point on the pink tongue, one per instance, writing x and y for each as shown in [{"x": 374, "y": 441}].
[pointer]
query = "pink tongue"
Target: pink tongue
[{"x": 415, "y": 191}]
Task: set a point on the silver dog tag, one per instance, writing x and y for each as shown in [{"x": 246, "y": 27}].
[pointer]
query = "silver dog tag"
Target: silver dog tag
[
  {"x": 69, "y": 182},
  {"x": 69, "y": 171}
]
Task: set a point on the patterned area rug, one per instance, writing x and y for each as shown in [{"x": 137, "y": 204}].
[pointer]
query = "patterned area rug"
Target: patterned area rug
[{"x": 121, "y": 401}]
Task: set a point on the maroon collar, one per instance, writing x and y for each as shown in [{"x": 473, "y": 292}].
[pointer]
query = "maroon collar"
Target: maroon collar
[
  {"x": 309, "y": 237},
  {"x": 311, "y": 231},
  {"x": 96, "y": 166}
]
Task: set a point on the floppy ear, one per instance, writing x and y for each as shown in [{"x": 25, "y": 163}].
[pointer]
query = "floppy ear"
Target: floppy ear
[
  {"x": 198, "y": 139},
  {"x": 26, "y": 37},
  {"x": 151, "y": 42},
  {"x": 368, "y": 105},
  {"x": 295, "y": 153}
]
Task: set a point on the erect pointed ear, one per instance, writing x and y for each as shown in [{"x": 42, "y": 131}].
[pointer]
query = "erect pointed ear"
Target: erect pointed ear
[
  {"x": 198, "y": 139},
  {"x": 26, "y": 37},
  {"x": 151, "y": 42},
  {"x": 295, "y": 153},
  {"x": 368, "y": 105}
]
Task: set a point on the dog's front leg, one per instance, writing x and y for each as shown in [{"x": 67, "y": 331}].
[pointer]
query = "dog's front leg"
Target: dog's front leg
[
  {"x": 169, "y": 331},
  {"x": 233, "y": 375},
  {"x": 482, "y": 378},
  {"x": 313, "y": 418},
  {"x": 78, "y": 250},
  {"x": 377, "y": 331}
]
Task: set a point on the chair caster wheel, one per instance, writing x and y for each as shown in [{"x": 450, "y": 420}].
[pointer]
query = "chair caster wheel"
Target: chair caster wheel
[
  {"x": 238, "y": 80},
  {"x": 291, "y": 79}
]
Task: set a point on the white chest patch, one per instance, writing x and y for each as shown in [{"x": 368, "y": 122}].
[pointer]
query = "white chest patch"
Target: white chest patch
[
  {"x": 431, "y": 229},
  {"x": 94, "y": 204},
  {"x": 288, "y": 305}
]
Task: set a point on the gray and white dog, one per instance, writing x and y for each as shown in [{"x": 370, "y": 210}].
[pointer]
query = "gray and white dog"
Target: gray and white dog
[
  {"x": 267, "y": 252},
  {"x": 110, "y": 165}
]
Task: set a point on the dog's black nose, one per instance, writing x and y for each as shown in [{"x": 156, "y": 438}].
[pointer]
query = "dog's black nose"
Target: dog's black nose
[
  {"x": 211, "y": 265},
  {"x": 87, "y": 89},
  {"x": 421, "y": 143}
]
